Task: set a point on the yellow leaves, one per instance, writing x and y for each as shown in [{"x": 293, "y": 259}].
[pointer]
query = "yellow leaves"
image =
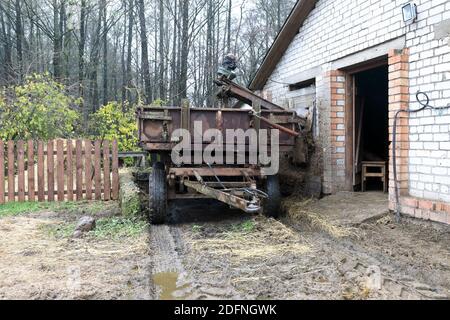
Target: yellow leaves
[
  {"x": 110, "y": 122},
  {"x": 38, "y": 109},
  {"x": 159, "y": 103}
]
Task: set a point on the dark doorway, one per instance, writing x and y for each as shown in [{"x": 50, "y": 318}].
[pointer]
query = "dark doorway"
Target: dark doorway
[{"x": 371, "y": 123}]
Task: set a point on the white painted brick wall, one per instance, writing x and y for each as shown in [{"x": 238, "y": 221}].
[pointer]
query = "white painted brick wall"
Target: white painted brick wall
[
  {"x": 337, "y": 28},
  {"x": 334, "y": 29},
  {"x": 430, "y": 72}
]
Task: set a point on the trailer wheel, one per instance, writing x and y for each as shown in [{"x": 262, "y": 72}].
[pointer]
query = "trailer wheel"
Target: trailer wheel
[
  {"x": 272, "y": 205},
  {"x": 157, "y": 194}
]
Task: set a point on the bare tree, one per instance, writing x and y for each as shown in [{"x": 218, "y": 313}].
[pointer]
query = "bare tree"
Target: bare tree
[
  {"x": 105, "y": 50},
  {"x": 184, "y": 55},
  {"x": 128, "y": 79},
  {"x": 144, "y": 54},
  {"x": 162, "y": 85},
  {"x": 103, "y": 9},
  {"x": 6, "y": 42},
  {"x": 19, "y": 38}
]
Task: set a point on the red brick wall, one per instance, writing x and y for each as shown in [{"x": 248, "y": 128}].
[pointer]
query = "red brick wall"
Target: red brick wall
[
  {"x": 425, "y": 209},
  {"x": 399, "y": 99},
  {"x": 337, "y": 87}
]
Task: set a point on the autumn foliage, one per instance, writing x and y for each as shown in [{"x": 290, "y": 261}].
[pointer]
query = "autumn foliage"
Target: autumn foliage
[{"x": 42, "y": 109}]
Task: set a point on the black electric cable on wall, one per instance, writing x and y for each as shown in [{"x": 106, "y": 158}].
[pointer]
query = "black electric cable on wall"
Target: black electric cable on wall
[{"x": 425, "y": 103}]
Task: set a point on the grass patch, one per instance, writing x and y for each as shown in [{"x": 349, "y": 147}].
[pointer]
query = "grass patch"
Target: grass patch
[
  {"x": 106, "y": 228},
  {"x": 197, "y": 228},
  {"x": 85, "y": 207},
  {"x": 60, "y": 231},
  {"x": 18, "y": 208},
  {"x": 21, "y": 208},
  {"x": 119, "y": 228},
  {"x": 245, "y": 227}
]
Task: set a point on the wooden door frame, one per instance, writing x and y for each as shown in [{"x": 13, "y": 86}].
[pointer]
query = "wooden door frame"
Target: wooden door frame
[
  {"x": 349, "y": 108},
  {"x": 349, "y": 132}
]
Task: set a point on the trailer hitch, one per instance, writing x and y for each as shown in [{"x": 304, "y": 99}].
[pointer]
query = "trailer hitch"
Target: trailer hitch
[
  {"x": 246, "y": 199},
  {"x": 227, "y": 196}
]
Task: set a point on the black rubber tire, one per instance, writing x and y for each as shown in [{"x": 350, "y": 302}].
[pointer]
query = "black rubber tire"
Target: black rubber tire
[
  {"x": 157, "y": 195},
  {"x": 272, "y": 205}
]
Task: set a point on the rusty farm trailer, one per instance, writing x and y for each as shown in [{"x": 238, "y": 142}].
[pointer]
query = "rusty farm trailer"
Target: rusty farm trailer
[{"x": 246, "y": 186}]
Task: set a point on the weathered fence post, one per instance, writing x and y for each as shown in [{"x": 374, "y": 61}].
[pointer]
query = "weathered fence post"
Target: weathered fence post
[
  {"x": 41, "y": 172},
  {"x": 69, "y": 170},
  {"x": 96, "y": 170},
  {"x": 50, "y": 171},
  {"x": 21, "y": 171},
  {"x": 115, "y": 171},
  {"x": 2, "y": 172},
  {"x": 11, "y": 169},
  {"x": 30, "y": 171},
  {"x": 106, "y": 172},
  {"x": 88, "y": 168},
  {"x": 60, "y": 169},
  {"x": 79, "y": 161}
]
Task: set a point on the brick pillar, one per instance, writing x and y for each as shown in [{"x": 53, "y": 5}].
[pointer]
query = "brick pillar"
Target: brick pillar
[
  {"x": 337, "y": 130},
  {"x": 399, "y": 100},
  {"x": 323, "y": 142}
]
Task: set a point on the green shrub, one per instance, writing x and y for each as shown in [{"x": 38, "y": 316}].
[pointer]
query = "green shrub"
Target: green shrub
[
  {"x": 159, "y": 103},
  {"x": 110, "y": 122},
  {"x": 40, "y": 108}
]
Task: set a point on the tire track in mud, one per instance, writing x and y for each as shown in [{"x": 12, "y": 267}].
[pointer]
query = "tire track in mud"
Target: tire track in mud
[
  {"x": 168, "y": 274},
  {"x": 171, "y": 279},
  {"x": 186, "y": 265},
  {"x": 166, "y": 258},
  {"x": 396, "y": 281},
  {"x": 359, "y": 259}
]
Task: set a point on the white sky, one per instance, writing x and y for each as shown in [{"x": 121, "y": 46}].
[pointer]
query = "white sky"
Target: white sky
[{"x": 236, "y": 6}]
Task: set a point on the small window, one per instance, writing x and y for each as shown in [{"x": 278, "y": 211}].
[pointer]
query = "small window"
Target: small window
[{"x": 302, "y": 85}]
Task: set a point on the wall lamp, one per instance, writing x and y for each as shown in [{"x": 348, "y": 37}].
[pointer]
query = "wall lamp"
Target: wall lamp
[{"x": 409, "y": 13}]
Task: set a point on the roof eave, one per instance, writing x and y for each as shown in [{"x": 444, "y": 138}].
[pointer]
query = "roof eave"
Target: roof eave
[{"x": 290, "y": 29}]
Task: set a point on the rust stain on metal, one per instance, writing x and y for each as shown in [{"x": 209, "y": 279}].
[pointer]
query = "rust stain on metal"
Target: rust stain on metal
[
  {"x": 279, "y": 127},
  {"x": 157, "y": 125},
  {"x": 222, "y": 196},
  {"x": 221, "y": 172}
]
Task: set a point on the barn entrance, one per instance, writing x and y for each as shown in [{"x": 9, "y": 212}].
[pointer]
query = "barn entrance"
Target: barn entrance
[{"x": 371, "y": 128}]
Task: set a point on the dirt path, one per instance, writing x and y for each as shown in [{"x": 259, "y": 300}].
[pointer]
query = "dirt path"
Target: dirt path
[
  {"x": 211, "y": 252},
  {"x": 35, "y": 264},
  {"x": 301, "y": 258},
  {"x": 173, "y": 275}
]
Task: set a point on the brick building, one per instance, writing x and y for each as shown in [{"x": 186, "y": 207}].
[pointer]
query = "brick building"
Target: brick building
[{"x": 355, "y": 64}]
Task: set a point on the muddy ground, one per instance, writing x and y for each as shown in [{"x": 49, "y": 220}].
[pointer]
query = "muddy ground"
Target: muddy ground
[
  {"x": 211, "y": 252},
  {"x": 40, "y": 260},
  {"x": 212, "y": 255}
]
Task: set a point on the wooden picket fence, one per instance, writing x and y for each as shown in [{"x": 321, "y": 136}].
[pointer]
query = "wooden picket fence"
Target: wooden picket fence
[{"x": 58, "y": 170}]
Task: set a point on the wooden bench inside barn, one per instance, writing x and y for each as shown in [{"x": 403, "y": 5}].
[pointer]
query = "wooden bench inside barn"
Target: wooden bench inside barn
[{"x": 374, "y": 169}]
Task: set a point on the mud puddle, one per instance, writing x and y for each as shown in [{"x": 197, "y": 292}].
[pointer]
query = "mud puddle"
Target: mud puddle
[{"x": 169, "y": 287}]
